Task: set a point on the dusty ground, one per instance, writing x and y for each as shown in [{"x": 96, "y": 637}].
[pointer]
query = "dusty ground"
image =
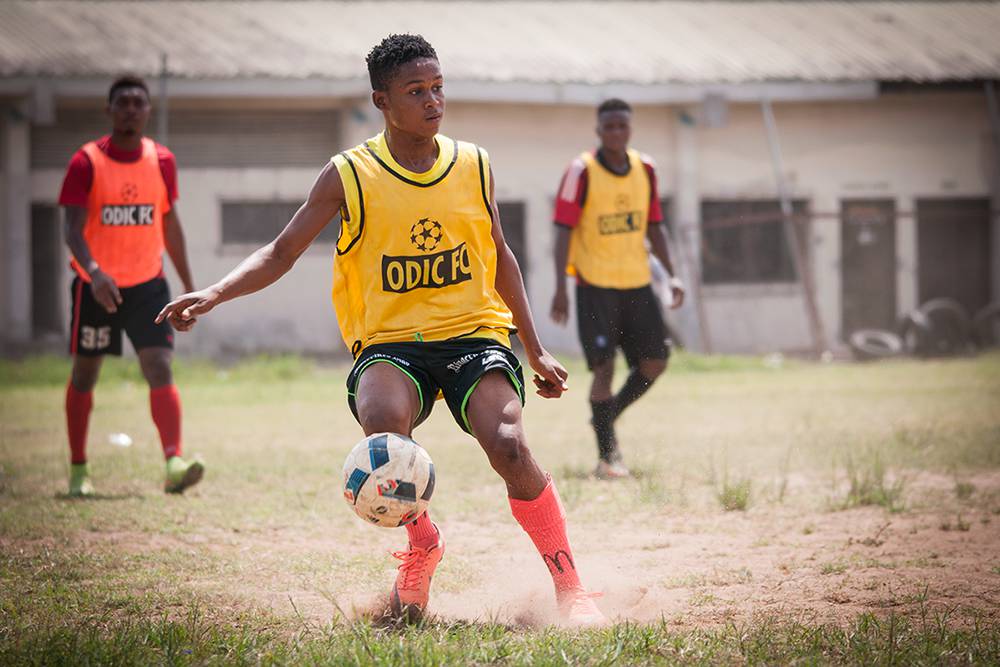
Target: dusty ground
[
  {"x": 692, "y": 569},
  {"x": 267, "y": 529}
]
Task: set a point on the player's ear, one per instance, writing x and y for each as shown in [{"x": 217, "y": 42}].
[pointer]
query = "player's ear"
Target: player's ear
[{"x": 379, "y": 100}]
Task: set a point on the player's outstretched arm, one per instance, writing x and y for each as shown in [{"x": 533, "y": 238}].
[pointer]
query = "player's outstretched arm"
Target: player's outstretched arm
[
  {"x": 550, "y": 378},
  {"x": 269, "y": 263}
]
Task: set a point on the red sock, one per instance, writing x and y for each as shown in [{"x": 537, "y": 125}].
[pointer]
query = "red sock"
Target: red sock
[
  {"x": 545, "y": 522},
  {"x": 165, "y": 404},
  {"x": 422, "y": 532},
  {"x": 78, "y": 405}
]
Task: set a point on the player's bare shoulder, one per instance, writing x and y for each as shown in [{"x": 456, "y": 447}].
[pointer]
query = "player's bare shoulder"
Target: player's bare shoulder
[{"x": 329, "y": 185}]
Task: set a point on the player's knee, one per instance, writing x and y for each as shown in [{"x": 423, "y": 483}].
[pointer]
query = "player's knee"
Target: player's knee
[
  {"x": 652, "y": 368},
  {"x": 507, "y": 449},
  {"x": 156, "y": 369},
  {"x": 604, "y": 372},
  {"x": 384, "y": 417},
  {"x": 84, "y": 379}
]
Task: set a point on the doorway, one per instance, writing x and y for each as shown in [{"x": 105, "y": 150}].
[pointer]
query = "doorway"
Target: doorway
[{"x": 868, "y": 265}]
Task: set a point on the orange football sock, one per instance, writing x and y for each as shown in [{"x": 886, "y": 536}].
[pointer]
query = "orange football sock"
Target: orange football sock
[
  {"x": 421, "y": 531},
  {"x": 544, "y": 519},
  {"x": 165, "y": 404}
]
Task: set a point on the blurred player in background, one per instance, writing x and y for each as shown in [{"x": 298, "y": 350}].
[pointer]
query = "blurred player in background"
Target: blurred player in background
[
  {"x": 607, "y": 209},
  {"x": 427, "y": 294},
  {"x": 118, "y": 197}
]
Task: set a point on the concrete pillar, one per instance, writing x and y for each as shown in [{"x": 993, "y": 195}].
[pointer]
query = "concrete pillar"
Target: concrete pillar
[
  {"x": 827, "y": 264},
  {"x": 15, "y": 285},
  {"x": 687, "y": 209},
  {"x": 907, "y": 279}
]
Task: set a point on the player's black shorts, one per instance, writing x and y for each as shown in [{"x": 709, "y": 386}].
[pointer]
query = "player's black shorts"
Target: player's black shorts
[
  {"x": 94, "y": 331},
  {"x": 628, "y": 318},
  {"x": 453, "y": 367}
]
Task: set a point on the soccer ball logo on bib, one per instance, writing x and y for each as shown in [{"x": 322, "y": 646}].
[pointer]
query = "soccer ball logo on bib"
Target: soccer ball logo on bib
[
  {"x": 425, "y": 234},
  {"x": 130, "y": 192}
]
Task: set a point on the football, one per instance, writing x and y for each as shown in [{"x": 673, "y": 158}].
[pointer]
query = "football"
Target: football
[{"x": 388, "y": 479}]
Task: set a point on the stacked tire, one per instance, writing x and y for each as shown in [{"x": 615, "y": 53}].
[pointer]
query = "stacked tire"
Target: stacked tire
[{"x": 938, "y": 328}]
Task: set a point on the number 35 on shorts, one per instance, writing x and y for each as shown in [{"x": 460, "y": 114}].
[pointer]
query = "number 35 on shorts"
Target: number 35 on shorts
[{"x": 95, "y": 338}]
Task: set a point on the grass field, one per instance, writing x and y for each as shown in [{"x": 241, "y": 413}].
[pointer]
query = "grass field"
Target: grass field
[{"x": 801, "y": 513}]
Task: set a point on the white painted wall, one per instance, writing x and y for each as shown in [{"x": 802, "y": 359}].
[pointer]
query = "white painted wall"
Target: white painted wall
[
  {"x": 903, "y": 146},
  {"x": 293, "y": 314}
]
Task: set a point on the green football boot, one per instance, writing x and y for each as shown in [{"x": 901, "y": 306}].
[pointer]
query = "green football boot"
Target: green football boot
[
  {"x": 79, "y": 480},
  {"x": 182, "y": 474}
]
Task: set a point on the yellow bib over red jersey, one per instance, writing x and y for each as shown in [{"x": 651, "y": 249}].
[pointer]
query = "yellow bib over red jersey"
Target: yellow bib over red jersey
[
  {"x": 415, "y": 258},
  {"x": 608, "y": 246},
  {"x": 124, "y": 228}
]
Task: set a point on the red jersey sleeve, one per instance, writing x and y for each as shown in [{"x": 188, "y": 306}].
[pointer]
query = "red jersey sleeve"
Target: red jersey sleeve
[
  {"x": 655, "y": 211},
  {"x": 572, "y": 194},
  {"x": 76, "y": 184},
  {"x": 168, "y": 167}
]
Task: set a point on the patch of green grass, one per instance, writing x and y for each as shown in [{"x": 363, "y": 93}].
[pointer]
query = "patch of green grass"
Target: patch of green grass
[
  {"x": 833, "y": 567},
  {"x": 682, "y": 361},
  {"x": 734, "y": 495},
  {"x": 964, "y": 490},
  {"x": 869, "y": 484},
  {"x": 715, "y": 578},
  {"x": 960, "y": 524},
  {"x": 51, "y": 370},
  {"x": 193, "y": 640}
]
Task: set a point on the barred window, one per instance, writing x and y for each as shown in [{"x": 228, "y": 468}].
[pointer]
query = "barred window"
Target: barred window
[
  {"x": 744, "y": 241},
  {"x": 245, "y": 222}
]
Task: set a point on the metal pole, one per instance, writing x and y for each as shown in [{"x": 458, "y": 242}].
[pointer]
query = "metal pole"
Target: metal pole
[
  {"x": 162, "y": 113},
  {"x": 994, "y": 113},
  {"x": 801, "y": 263}
]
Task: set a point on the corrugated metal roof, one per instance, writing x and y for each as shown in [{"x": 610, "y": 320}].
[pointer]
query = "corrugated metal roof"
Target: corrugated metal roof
[{"x": 537, "y": 42}]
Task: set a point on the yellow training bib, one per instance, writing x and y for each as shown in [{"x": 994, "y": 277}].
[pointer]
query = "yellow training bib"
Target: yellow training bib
[
  {"x": 415, "y": 259},
  {"x": 608, "y": 246}
]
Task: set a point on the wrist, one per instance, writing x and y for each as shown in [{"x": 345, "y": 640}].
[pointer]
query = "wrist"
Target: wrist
[
  {"x": 535, "y": 351},
  {"x": 92, "y": 268}
]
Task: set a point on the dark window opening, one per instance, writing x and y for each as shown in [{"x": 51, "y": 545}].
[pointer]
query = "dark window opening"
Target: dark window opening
[
  {"x": 744, "y": 241},
  {"x": 260, "y": 222}
]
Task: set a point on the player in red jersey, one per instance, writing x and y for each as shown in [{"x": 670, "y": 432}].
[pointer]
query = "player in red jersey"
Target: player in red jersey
[{"x": 118, "y": 199}]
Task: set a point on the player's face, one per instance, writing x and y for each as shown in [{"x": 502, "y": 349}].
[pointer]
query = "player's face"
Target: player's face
[
  {"x": 414, "y": 100},
  {"x": 614, "y": 129},
  {"x": 129, "y": 110}
]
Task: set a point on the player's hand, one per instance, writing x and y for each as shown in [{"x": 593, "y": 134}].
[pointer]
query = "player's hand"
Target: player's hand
[
  {"x": 105, "y": 291},
  {"x": 550, "y": 376},
  {"x": 182, "y": 312},
  {"x": 560, "y": 307},
  {"x": 676, "y": 292}
]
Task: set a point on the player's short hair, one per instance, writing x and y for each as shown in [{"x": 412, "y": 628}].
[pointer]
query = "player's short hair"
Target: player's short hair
[
  {"x": 126, "y": 81},
  {"x": 614, "y": 104},
  {"x": 392, "y": 53}
]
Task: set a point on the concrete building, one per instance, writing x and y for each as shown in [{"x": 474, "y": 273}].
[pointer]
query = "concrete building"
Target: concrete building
[{"x": 886, "y": 146}]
